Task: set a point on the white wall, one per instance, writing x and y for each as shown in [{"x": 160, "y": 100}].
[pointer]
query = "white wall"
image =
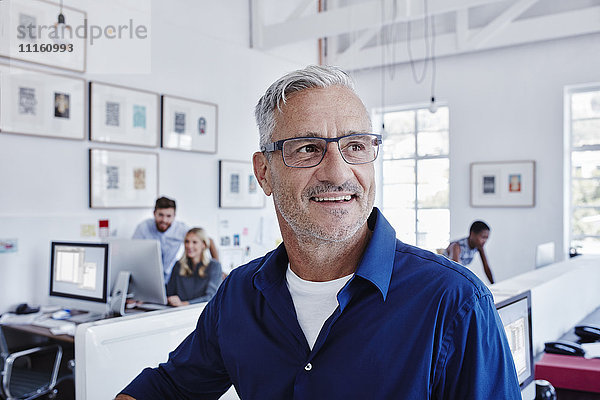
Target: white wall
[
  {"x": 198, "y": 50},
  {"x": 505, "y": 104}
]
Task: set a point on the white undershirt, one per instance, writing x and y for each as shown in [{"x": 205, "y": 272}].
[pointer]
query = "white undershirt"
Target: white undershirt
[{"x": 314, "y": 302}]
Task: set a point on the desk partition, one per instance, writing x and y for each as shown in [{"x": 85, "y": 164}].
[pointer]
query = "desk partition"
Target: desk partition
[
  {"x": 110, "y": 353},
  {"x": 561, "y": 295}
]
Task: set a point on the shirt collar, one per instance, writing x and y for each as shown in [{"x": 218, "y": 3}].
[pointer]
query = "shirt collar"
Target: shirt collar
[
  {"x": 376, "y": 265},
  {"x": 378, "y": 261}
]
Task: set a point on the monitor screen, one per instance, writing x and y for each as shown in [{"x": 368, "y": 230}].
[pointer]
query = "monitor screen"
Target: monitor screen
[
  {"x": 515, "y": 314},
  {"x": 142, "y": 259},
  {"x": 79, "y": 271}
]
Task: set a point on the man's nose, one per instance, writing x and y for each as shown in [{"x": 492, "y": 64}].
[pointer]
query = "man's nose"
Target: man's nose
[{"x": 333, "y": 168}]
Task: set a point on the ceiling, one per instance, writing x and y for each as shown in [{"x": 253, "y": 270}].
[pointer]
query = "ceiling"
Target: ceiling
[{"x": 360, "y": 34}]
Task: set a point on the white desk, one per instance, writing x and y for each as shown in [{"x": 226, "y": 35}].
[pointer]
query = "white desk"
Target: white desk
[
  {"x": 561, "y": 295},
  {"x": 111, "y": 352}
]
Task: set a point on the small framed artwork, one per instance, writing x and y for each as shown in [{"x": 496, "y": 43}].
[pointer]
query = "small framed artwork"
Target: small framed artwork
[
  {"x": 123, "y": 115},
  {"x": 29, "y": 31},
  {"x": 238, "y": 187},
  {"x": 189, "y": 125},
  {"x": 503, "y": 184},
  {"x": 41, "y": 104},
  {"x": 123, "y": 179}
]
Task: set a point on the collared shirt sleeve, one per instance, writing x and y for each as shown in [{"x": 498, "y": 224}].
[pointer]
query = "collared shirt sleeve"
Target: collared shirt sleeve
[
  {"x": 477, "y": 363},
  {"x": 195, "y": 369}
]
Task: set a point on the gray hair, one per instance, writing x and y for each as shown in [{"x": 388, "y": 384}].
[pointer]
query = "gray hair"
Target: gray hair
[{"x": 313, "y": 76}]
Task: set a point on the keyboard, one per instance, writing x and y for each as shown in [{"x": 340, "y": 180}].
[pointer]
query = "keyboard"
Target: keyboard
[
  {"x": 85, "y": 317},
  {"x": 151, "y": 306}
]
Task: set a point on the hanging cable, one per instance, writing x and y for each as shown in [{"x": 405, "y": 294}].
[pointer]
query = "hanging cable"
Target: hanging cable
[
  {"x": 382, "y": 67},
  {"x": 416, "y": 78},
  {"x": 433, "y": 106}
]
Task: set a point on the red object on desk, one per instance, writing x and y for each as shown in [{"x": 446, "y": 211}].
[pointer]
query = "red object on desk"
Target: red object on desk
[{"x": 569, "y": 372}]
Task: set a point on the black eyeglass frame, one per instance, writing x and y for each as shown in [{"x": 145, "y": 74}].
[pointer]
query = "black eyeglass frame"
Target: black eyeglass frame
[{"x": 278, "y": 145}]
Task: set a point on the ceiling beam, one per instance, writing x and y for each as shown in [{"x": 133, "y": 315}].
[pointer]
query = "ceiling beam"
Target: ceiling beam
[
  {"x": 299, "y": 9},
  {"x": 550, "y": 27},
  {"x": 357, "y": 44},
  {"x": 462, "y": 28},
  {"x": 256, "y": 24},
  {"x": 356, "y": 17},
  {"x": 499, "y": 23}
]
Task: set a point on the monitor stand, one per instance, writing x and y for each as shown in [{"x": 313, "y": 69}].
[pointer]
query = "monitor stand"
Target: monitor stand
[{"x": 119, "y": 294}]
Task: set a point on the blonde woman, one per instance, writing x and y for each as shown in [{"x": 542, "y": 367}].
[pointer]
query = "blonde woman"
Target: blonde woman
[{"x": 195, "y": 277}]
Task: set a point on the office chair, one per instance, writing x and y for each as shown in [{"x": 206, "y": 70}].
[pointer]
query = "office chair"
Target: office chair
[{"x": 20, "y": 380}]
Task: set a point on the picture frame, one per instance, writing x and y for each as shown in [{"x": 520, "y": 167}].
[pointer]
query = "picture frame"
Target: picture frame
[
  {"x": 189, "y": 125},
  {"x": 122, "y": 179},
  {"x": 41, "y": 104},
  {"x": 29, "y": 31},
  {"x": 123, "y": 115},
  {"x": 238, "y": 187},
  {"x": 503, "y": 184}
]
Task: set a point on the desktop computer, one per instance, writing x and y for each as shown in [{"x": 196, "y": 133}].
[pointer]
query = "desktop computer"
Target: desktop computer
[
  {"x": 79, "y": 273},
  {"x": 515, "y": 313},
  {"x": 142, "y": 260},
  {"x": 83, "y": 274}
]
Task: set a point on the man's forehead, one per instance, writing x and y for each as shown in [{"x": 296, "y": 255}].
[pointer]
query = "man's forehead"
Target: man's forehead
[
  {"x": 318, "y": 111},
  {"x": 165, "y": 210}
]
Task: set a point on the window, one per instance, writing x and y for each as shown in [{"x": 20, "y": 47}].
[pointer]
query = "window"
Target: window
[
  {"x": 584, "y": 108},
  {"x": 415, "y": 176}
]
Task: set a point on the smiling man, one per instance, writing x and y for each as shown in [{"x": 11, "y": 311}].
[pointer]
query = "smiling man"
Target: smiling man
[
  {"x": 163, "y": 228},
  {"x": 341, "y": 309}
]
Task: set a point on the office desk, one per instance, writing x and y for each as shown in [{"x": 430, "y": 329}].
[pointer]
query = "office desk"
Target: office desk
[
  {"x": 110, "y": 353},
  {"x": 39, "y": 331},
  {"x": 573, "y": 377},
  {"x": 561, "y": 295}
]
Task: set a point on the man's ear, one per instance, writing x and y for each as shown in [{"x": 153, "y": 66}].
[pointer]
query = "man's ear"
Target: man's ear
[{"x": 261, "y": 171}]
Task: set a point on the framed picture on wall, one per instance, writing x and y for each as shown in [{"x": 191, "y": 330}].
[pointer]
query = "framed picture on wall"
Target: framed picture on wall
[
  {"x": 123, "y": 115},
  {"x": 189, "y": 125},
  {"x": 238, "y": 187},
  {"x": 503, "y": 184},
  {"x": 29, "y": 31},
  {"x": 123, "y": 179},
  {"x": 41, "y": 104}
]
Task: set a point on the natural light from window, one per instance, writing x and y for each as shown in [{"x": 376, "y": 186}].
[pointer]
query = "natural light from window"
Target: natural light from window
[
  {"x": 585, "y": 170},
  {"x": 415, "y": 167}
]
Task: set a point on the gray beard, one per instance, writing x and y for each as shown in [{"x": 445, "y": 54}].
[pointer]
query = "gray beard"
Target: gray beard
[{"x": 307, "y": 232}]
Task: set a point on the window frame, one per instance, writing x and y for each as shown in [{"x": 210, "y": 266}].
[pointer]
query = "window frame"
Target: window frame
[
  {"x": 569, "y": 149},
  {"x": 378, "y": 118}
]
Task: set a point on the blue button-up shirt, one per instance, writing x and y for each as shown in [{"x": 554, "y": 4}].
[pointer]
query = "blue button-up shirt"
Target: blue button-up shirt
[
  {"x": 410, "y": 325},
  {"x": 170, "y": 241}
]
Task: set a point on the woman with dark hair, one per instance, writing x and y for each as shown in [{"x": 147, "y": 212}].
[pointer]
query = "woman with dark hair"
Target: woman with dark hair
[{"x": 195, "y": 277}]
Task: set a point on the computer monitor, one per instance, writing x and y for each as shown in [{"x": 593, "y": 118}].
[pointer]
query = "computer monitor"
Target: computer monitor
[
  {"x": 515, "y": 314},
  {"x": 544, "y": 254},
  {"x": 79, "y": 275},
  {"x": 142, "y": 259}
]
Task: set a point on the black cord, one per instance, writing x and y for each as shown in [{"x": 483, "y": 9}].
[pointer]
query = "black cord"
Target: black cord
[{"x": 420, "y": 79}]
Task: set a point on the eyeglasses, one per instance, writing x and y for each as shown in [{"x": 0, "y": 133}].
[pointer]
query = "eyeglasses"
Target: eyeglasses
[{"x": 307, "y": 152}]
